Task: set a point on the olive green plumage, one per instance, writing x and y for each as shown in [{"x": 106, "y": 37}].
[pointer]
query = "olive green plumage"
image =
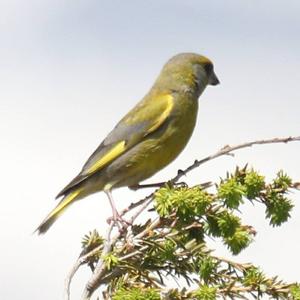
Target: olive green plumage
[{"x": 149, "y": 137}]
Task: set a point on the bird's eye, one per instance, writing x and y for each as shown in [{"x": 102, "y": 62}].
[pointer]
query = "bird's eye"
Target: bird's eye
[{"x": 208, "y": 68}]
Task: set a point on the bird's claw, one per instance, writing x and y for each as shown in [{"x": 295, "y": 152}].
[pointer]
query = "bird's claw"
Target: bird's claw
[{"x": 120, "y": 222}]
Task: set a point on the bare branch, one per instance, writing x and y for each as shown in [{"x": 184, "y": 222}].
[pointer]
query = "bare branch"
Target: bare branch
[
  {"x": 226, "y": 150},
  {"x": 107, "y": 246},
  {"x": 136, "y": 204},
  {"x": 95, "y": 280}
]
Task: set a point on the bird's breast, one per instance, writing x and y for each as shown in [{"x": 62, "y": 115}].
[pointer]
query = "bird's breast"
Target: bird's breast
[{"x": 179, "y": 129}]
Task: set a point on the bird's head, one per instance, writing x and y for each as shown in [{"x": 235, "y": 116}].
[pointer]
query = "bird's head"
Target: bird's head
[{"x": 188, "y": 72}]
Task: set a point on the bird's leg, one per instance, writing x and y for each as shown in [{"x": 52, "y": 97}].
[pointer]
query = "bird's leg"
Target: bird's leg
[
  {"x": 116, "y": 216},
  {"x": 112, "y": 204}
]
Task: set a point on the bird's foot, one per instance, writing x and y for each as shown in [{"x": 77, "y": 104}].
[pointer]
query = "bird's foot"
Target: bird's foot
[{"x": 120, "y": 222}]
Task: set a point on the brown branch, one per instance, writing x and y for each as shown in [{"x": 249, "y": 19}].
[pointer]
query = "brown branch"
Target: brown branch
[
  {"x": 226, "y": 150},
  {"x": 100, "y": 270},
  {"x": 239, "y": 266},
  {"x": 80, "y": 261},
  {"x": 136, "y": 204}
]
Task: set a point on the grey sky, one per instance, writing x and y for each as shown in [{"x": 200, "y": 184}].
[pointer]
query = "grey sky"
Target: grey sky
[{"x": 70, "y": 69}]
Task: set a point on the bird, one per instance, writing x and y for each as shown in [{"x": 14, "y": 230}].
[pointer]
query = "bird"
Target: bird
[{"x": 147, "y": 138}]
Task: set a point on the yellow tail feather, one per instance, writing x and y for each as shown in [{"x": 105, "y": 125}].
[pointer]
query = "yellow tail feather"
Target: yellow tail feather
[{"x": 57, "y": 211}]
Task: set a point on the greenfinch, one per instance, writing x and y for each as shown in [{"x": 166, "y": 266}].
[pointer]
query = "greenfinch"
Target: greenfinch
[{"x": 147, "y": 138}]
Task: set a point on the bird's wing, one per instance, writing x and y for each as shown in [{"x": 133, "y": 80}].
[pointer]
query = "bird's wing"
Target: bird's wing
[{"x": 142, "y": 120}]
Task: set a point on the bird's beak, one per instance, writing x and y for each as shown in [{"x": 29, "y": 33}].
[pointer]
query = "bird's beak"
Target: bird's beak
[{"x": 213, "y": 79}]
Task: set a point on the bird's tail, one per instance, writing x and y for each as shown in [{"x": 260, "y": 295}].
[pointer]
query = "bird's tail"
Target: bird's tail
[{"x": 57, "y": 211}]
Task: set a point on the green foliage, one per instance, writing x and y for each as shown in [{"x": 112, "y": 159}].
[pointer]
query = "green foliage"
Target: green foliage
[
  {"x": 231, "y": 192},
  {"x": 295, "y": 291},
  {"x": 278, "y": 207},
  {"x": 206, "y": 292},
  {"x": 173, "y": 244},
  {"x": 110, "y": 260},
  {"x": 208, "y": 266},
  {"x": 282, "y": 181},
  {"x": 168, "y": 249},
  {"x": 185, "y": 202},
  {"x": 91, "y": 240},
  {"x": 228, "y": 224},
  {"x": 239, "y": 240},
  {"x": 254, "y": 184},
  {"x": 212, "y": 227},
  {"x": 253, "y": 277}
]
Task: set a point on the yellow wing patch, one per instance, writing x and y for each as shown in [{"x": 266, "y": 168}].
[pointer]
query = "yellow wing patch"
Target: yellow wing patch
[
  {"x": 111, "y": 155},
  {"x": 155, "y": 114},
  {"x": 65, "y": 202},
  {"x": 164, "y": 114}
]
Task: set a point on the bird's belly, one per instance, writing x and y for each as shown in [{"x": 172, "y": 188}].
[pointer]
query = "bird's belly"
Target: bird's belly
[{"x": 153, "y": 154}]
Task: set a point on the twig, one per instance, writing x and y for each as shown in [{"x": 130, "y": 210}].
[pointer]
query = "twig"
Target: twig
[
  {"x": 95, "y": 281},
  {"x": 228, "y": 149},
  {"x": 144, "y": 206},
  {"x": 80, "y": 261},
  {"x": 136, "y": 204},
  {"x": 154, "y": 224},
  {"x": 101, "y": 263},
  {"x": 69, "y": 278},
  {"x": 240, "y": 266},
  {"x": 147, "y": 185}
]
